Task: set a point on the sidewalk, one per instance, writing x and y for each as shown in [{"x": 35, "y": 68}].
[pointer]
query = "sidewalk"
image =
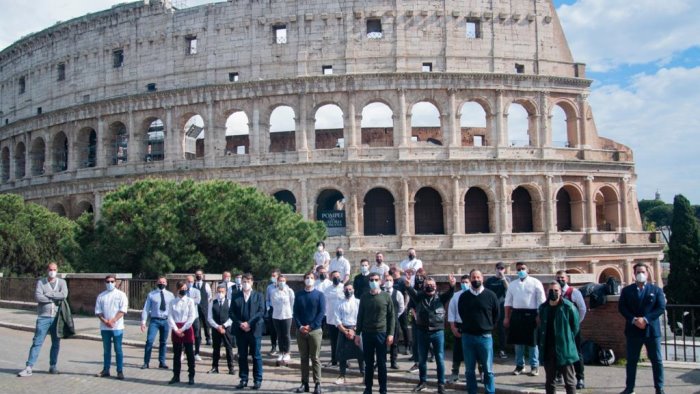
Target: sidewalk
[{"x": 598, "y": 379}]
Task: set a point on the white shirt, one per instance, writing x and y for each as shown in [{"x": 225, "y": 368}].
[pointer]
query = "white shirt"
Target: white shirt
[
  {"x": 342, "y": 265},
  {"x": 453, "y": 308},
  {"x": 525, "y": 294},
  {"x": 321, "y": 258},
  {"x": 108, "y": 304},
  {"x": 379, "y": 269},
  {"x": 322, "y": 285},
  {"x": 210, "y": 317},
  {"x": 399, "y": 298},
  {"x": 577, "y": 299},
  {"x": 203, "y": 285},
  {"x": 181, "y": 310},
  {"x": 195, "y": 295},
  {"x": 346, "y": 312},
  {"x": 414, "y": 264},
  {"x": 334, "y": 295},
  {"x": 282, "y": 303}
]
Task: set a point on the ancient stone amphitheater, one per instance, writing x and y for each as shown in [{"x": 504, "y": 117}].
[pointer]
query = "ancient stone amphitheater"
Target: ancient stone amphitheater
[{"x": 459, "y": 127}]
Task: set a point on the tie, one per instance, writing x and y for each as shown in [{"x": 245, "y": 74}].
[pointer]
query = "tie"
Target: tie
[{"x": 162, "y": 301}]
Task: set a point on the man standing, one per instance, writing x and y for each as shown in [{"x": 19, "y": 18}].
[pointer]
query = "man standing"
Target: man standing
[
  {"x": 346, "y": 317},
  {"x": 576, "y": 298},
  {"x": 641, "y": 304},
  {"x": 196, "y": 296},
  {"x": 156, "y": 307},
  {"x": 430, "y": 323},
  {"x": 220, "y": 323},
  {"x": 361, "y": 281},
  {"x": 322, "y": 281},
  {"x": 246, "y": 313},
  {"x": 202, "y": 308},
  {"x": 111, "y": 306},
  {"x": 49, "y": 294},
  {"x": 400, "y": 286},
  {"x": 309, "y": 308},
  {"x": 558, "y": 325},
  {"x": 340, "y": 264},
  {"x": 478, "y": 311},
  {"x": 333, "y": 295},
  {"x": 455, "y": 326},
  {"x": 379, "y": 267},
  {"x": 271, "y": 289},
  {"x": 499, "y": 285},
  {"x": 399, "y": 309},
  {"x": 375, "y": 324},
  {"x": 524, "y": 295},
  {"x": 411, "y": 263}
]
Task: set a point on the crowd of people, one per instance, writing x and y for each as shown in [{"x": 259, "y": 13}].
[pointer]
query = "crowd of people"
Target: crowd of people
[{"x": 363, "y": 317}]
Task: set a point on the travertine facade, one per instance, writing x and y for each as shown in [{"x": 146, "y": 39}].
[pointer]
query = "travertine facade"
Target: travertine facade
[{"x": 105, "y": 99}]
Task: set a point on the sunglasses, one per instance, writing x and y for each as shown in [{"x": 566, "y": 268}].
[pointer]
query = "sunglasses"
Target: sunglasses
[{"x": 109, "y": 281}]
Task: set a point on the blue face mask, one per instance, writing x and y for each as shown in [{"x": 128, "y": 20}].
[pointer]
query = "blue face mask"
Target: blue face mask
[
  {"x": 465, "y": 287},
  {"x": 110, "y": 286},
  {"x": 273, "y": 280},
  {"x": 282, "y": 285},
  {"x": 522, "y": 274},
  {"x": 373, "y": 285}
]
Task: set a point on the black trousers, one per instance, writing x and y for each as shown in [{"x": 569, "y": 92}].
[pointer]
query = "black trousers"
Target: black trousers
[
  {"x": 271, "y": 329},
  {"x": 551, "y": 370},
  {"x": 403, "y": 324},
  {"x": 394, "y": 348},
  {"x": 457, "y": 356},
  {"x": 578, "y": 365},
  {"x": 197, "y": 326},
  {"x": 282, "y": 328},
  {"x": 217, "y": 340},
  {"x": 333, "y": 335},
  {"x": 202, "y": 311},
  {"x": 177, "y": 352}
]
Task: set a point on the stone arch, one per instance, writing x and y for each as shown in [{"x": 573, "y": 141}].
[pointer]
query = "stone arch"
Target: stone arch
[
  {"x": 117, "y": 143},
  {"x": 58, "y": 209},
  {"x": 607, "y": 208},
  {"x": 82, "y": 207},
  {"x": 59, "y": 152},
  {"x": 426, "y": 122},
  {"x": 282, "y": 128},
  {"x": 5, "y": 164},
  {"x": 330, "y": 209},
  {"x": 287, "y": 197},
  {"x": 86, "y": 147},
  {"x": 522, "y": 212},
  {"x": 193, "y": 136},
  {"x": 20, "y": 160},
  {"x": 237, "y": 132},
  {"x": 575, "y": 271},
  {"x": 377, "y": 124},
  {"x": 428, "y": 213},
  {"x": 379, "y": 212},
  {"x": 610, "y": 271},
  {"x": 569, "y": 208},
  {"x": 329, "y": 125},
  {"x": 564, "y": 124},
  {"x": 475, "y": 123},
  {"x": 521, "y": 115},
  {"x": 37, "y": 154},
  {"x": 154, "y": 130},
  {"x": 476, "y": 211}
]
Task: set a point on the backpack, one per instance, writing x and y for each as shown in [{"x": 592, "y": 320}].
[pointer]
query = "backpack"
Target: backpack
[
  {"x": 612, "y": 286},
  {"x": 589, "y": 352},
  {"x": 606, "y": 357},
  {"x": 598, "y": 296}
]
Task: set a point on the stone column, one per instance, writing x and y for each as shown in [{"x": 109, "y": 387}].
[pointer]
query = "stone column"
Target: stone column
[
  {"x": 583, "y": 126},
  {"x": 590, "y": 224},
  {"x": 456, "y": 205},
  {"x": 354, "y": 210},
  {"x": 593, "y": 268},
  {"x": 624, "y": 204},
  {"x": 500, "y": 133},
  {"x": 302, "y": 140},
  {"x": 11, "y": 147},
  {"x": 549, "y": 206},
  {"x": 49, "y": 158},
  {"x": 74, "y": 150},
  {"x": 545, "y": 121},
  {"x": 255, "y": 149},
  {"x": 100, "y": 159},
  {"x": 402, "y": 133},
  {"x": 352, "y": 130},
  {"x": 629, "y": 270},
  {"x": 174, "y": 151},
  {"x": 506, "y": 225},
  {"x": 134, "y": 144},
  {"x": 453, "y": 137},
  {"x": 97, "y": 206},
  {"x": 211, "y": 134},
  {"x": 304, "y": 200},
  {"x": 405, "y": 198}
]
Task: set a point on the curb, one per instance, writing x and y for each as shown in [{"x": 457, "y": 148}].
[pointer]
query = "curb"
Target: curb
[{"x": 505, "y": 389}]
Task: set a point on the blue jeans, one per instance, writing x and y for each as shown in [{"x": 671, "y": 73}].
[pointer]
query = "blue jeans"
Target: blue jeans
[
  {"x": 478, "y": 348},
  {"x": 520, "y": 356},
  {"x": 109, "y": 336},
  {"x": 374, "y": 344},
  {"x": 634, "y": 347},
  {"x": 426, "y": 340},
  {"x": 156, "y": 326},
  {"x": 44, "y": 326},
  {"x": 248, "y": 341}
]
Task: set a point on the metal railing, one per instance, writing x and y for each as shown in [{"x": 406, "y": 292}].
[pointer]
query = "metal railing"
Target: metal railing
[
  {"x": 138, "y": 291},
  {"x": 681, "y": 326},
  {"x": 18, "y": 289}
]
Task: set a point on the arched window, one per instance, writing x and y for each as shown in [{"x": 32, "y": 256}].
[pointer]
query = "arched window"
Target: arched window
[
  {"x": 154, "y": 140},
  {"x": 427, "y": 212},
  {"x": 117, "y": 144},
  {"x": 377, "y": 125},
  {"x": 87, "y": 148},
  {"x": 59, "y": 209},
  {"x": 237, "y": 134},
  {"x": 287, "y": 197},
  {"x": 379, "y": 217},
  {"x": 522, "y": 211},
  {"x": 564, "y": 123},
  {"x": 20, "y": 160},
  {"x": 330, "y": 209},
  {"x": 425, "y": 123},
  {"x": 83, "y": 207},
  {"x": 476, "y": 211},
  {"x": 193, "y": 141},
  {"x": 37, "y": 156},
  {"x": 474, "y": 131},
  {"x": 563, "y": 211},
  {"x": 518, "y": 126},
  {"x": 282, "y": 129},
  {"x": 328, "y": 127},
  {"x": 59, "y": 148},
  {"x": 607, "y": 209},
  {"x": 5, "y": 169}
]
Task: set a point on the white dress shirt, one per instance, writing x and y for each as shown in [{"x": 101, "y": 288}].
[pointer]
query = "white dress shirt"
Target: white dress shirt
[
  {"x": 342, "y": 265},
  {"x": 181, "y": 310},
  {"x": 320, "y": 258},
  {"x": 210, "y": 317},
  {"x": 453, "y": 308},
  {"x": 282, "y": 303},
  {"x": 379, "y": 269},
  {"x": 108, "y": 304},
  {"x": 525, "y": 294},
  {"x": 322, "y": 285},
  {"x": 195, "y": 295},
  {"x": 414, "y": 264},
  {"x": 577, "y": 299},
  {"x": 334, "y": 295},
  {"x": 346, "y": 312}
]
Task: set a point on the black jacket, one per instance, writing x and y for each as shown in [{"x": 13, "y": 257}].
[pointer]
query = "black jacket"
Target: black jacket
[
  {"x": 65, "y": 326},
  {"x": 256, "y": 312},
  {"x": 431, "y": 313}
]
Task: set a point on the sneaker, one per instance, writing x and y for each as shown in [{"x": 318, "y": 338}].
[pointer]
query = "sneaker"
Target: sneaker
[
  {"x": 208, "y": 342},
  {"x": 340, "y": 380},
  {"x": 580, "y": 384},
  {"x": 25, "y": 372},
  {"x": 558, "y": 380},
  {"x": 120, "y": 375},
  {"x": 453, "y": 378},
  {"x": 53, "y": 370},
  {"x": 420, "y": 386},
  {"x": 197, "y": 357},
  {"x": 273, "y": 353},
  {"x": 534, "y": 371},
  {"x": 518, "y": 370},
  {"x": 286, "y": 357},
  {"x": 413, "y": 368},
  {"x": 441, "y": 389},
  {"x": 502, "y": 354}
]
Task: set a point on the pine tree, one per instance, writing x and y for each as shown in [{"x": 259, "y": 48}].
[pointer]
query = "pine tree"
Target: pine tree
[{"x": 684, "y": 254}]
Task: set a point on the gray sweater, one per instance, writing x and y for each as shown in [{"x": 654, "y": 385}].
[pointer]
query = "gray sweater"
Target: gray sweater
[{"x": 47, "y": 297}]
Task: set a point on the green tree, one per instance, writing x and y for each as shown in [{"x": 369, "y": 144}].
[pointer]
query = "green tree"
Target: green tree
[
  {"x": 662, "y": 215},
  {"x": 646, "y": 205},
  {"x": 684, "y": 255},
  {"x": 31, "y": 236}
]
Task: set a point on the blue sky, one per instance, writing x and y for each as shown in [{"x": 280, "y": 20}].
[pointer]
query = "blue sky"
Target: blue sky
[{"x": 643, "y": 56}]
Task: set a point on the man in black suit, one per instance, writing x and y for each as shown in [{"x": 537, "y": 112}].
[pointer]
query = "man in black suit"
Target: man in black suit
[
  {"x": 246, "y": 313},
  {"x": 641, "y": 304}
]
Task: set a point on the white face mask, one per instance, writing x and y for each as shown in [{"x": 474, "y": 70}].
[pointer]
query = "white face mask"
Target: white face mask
[
  {"x": 222, "y": 295},
  {"x": 52, "y": 274},
  {"x": 320, "y": 248},
  {"x": 641, "y": 277},
  {"x": 364, "y": 269},
  {"x": 309, "y": 282},
  {"x": 246, "y": 286}
]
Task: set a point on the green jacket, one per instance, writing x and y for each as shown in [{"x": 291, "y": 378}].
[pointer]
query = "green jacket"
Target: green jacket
[{"x": 566, "y": 327}]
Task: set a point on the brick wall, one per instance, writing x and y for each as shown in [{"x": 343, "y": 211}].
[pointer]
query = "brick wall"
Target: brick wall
[{"x": 605, "y": 326}]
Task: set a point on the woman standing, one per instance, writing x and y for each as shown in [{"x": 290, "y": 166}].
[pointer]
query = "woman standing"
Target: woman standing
[
  {"x": 282, "y": 302},
  {"x": 181, "y": 316}
]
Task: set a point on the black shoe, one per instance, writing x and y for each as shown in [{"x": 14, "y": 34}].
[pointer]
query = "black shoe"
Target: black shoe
[
  {"x": 241, "y": 385},
  {"x": 213, "y": 370},
  {"x": 317, "y": 388},
  {"x": 191, "y": 381},
  {"x": 120, "y": 375},
  {"x": 304, "y": 388},
  {"x": 431, "y": 359},
  {"x": 412, "y": 359},
  {"x": 393, "y": 365},
  {"x": 208, "y": 342},
  {"x": 163, "y": 366},
  {"x": 231, "y": 371},
  {"x": 558, "y": 379},
  {"x": 420, "y": 386},
  {"x": 257, "y": 386},
  {"x": 441, "y": 389},
  {"x": 103, "y": 374},
  {"x": 627, "y": 391},
  {"x": 144, "y": 366},
  {"x": 174, "y": 380},
  {"x": 660, "y": 391},
  {"x": 580, "y": 384}
]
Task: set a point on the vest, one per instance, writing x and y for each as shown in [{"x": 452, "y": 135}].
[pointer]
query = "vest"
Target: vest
[
  {"x": 219, "y": 311},
  {"x": 567, "y": 294},
  {"x": 203, "y": 292},
  {"x": 395, "y": 300}
]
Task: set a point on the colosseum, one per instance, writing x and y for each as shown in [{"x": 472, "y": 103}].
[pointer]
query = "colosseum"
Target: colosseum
[{"x": 461, "y": 128}]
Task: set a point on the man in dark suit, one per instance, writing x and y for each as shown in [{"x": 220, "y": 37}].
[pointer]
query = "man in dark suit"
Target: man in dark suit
[
  {"x": 246, "y": 313},
  {"x": 641, "y": 304}
]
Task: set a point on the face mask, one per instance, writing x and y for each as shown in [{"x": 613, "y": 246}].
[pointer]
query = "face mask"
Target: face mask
[
  {"x": 320, "y": 248},
  {"x": 161, "y": 286},
  {"x": 322, "y": 276},
  {"x": 476, "y": 284},
  {"x": 198, "y": 277},
  {"x": 227, "y": 280},
  {"x": 348, "y": 293},
  {"x": 222, "y": 296},
  {"x": 182, "y": 293},
  {"x": 641, "y": 277},
  {"x": 429, "y": 289},
  {"x": 52, "y": 274},
  {"x": 553, "y": 296},
  {"x": 336, "y": 281},
  {"x": 273, "y": 280},
  {"x": 246, "y": 286},
  {"x": 189, "y": 285},
  {"x": 309, "y": 282},
  {"x": 374, "y": 285},
  {"x": 388, "y": 285},
  {"x": 282, "y": 285},
  {"x": 465, "y": 287},
  {"x": 522, "y": 274},
  {"x": 411, "y": 257},
  {"x": 561, "y": 283},
  {"x": 238, "y": 281},
  {"x": 110, "y": 286},
  {"x": 364, "y": 269},
  {"x": 338, "y": 254},
  {"x": 379, "y": 262}
]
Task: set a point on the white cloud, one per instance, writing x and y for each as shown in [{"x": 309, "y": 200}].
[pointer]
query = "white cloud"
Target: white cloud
[
  {"x": 657, "y": 116},
  {"x": 608, "y": 33}
]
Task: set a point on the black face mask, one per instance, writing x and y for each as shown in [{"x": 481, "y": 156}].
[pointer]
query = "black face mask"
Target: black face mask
[
  {"x": 561, "y": 283},
  {"x": 198, "y": 277},
  {"x": 338, "y": 254},
  {"x": 476, "y": 284},
  {"x": 336, "y": 281},
  {"x": 553, "y": 296},
  {"x": 161, "y": 286},
  {"x": 182, "y": 292},
  {"x": 411, "y": 257},
  {"x": 378, "y": 261},
  {"x": 322, "y": 276},
  {"x": 348, "y": 293},
  {"x": 429, "y": 289}
]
